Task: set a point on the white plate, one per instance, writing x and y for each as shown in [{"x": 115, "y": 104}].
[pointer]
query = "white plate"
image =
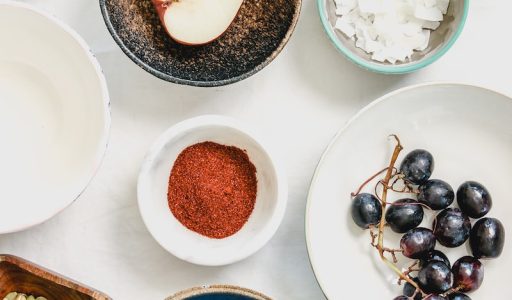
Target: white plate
[
  {"x": 54, "y": 116},
  {"x": 469, "y": 132}
]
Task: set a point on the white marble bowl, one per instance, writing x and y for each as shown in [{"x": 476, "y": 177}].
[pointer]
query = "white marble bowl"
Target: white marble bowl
[
  {"x": 186, "y": 244},
  {"x": 54, "y": 116}
]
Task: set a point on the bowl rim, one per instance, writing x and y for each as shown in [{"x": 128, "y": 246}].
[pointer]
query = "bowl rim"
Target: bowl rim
[
  {"x": 100, "y": 77},
  {"x": 217, "y": 288},
  {"x": 213, "y": 83},
  {"x": 390, "y": 69},
  {"x": 345, "y": 127},
  {"x": 193, "y": 123},
  {"x": 58, "y": 279}
]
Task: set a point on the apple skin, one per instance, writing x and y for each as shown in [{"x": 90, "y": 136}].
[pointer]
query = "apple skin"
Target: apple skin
[{"x": 161, "y": 7}]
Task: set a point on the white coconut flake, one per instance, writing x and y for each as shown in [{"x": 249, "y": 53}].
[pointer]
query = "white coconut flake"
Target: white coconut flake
[
  {"x": 390, "y": 30},
  {"x": 342, "y": 10},
  {"x": 343, "y": 7},
  {"x": 379, "y": 56},
  {"x": 373, "y": 46},
  {"x": 430, "y": 3},
  {"x": 411, "y": 29},
  {"x": 344, "y": 26},
  {"x": 346, "y": 5},
  {"x": 428, "y": 13},
  {"x": 370, "y": 6},
  {"x": 433, "y": 25},
  {"x": 443, "y": 5},
  {"x": 426, "y": 39}
]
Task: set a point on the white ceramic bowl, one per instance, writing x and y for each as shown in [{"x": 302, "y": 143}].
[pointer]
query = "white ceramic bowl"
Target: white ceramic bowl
[
  {"x": 54, "y": 116},
  {"x": 188, "y": 245}
]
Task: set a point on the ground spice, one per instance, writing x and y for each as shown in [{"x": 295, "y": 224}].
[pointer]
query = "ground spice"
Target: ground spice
[{"x": 212, "y": 189}]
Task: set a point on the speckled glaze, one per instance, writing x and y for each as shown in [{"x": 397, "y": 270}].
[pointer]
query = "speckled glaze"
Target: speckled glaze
[
  {"x": 218, "y": 292},
  {"x": 257, "y": 35}
]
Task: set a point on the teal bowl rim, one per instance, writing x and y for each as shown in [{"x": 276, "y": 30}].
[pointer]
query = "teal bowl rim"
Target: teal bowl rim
[{"x": 391, "y": 69}]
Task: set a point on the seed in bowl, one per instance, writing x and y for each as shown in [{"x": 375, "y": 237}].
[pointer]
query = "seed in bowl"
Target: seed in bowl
[
  {"x": 390, "y": 30},
  {"x": 21, "y": 296},
  {"x": 196, "y": 22}
]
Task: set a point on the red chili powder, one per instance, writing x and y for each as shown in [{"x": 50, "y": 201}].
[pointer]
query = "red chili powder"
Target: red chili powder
[{"x": 212, "y": 189}]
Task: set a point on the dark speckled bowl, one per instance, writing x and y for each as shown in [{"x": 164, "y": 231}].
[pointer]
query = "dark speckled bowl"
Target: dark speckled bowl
[{"x": 259, "y": 32}]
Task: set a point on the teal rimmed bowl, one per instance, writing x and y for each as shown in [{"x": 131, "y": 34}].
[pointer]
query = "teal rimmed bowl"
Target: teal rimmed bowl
[{"x": 441, "y": 40}]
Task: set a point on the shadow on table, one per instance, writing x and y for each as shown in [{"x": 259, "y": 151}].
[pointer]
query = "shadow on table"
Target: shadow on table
[{"x": 326, "y": 70}]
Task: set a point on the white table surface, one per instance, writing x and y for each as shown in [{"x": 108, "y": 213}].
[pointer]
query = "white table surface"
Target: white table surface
[{"x": 298, "y": 102}]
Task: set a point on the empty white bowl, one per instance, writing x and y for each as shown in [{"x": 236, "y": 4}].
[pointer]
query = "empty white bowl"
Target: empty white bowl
[
  {"x": 186, "y": 244},
  {"x": 54, "y": 116}
]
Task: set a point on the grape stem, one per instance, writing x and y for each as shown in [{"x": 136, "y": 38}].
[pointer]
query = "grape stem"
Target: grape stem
[
  {"x": 373, "y": 236},
  {"x": 453, "y": 290},
  {"x": 380, "y": 237},
  {"x": 353, "y": 194},
  {"x": 410, "y": 269},
  {"x": 407, "y": 188},
  {"x": 373, "y": 242}
]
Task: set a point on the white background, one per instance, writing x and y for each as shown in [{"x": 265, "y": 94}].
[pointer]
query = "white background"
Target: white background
[{"x": 298, "y": 102}]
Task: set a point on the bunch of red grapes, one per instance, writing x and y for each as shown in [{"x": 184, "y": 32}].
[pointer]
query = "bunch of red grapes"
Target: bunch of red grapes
[{"x": 435, "y": 277}]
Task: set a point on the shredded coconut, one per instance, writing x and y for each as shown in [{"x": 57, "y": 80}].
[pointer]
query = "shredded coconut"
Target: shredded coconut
[{"x": 390, "y": 30}]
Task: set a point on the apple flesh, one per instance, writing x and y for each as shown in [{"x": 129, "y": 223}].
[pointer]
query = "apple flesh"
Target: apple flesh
[{"x": 196, "y": 22}]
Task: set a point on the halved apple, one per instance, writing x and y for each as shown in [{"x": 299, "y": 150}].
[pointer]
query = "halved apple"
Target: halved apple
[{"x": 196, "y": 22}]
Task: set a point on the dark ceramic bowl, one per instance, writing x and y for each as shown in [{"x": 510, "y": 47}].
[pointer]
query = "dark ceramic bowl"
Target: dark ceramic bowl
[
  {"x": 257, "y": 35},
  {"x": 218, "y": 292}
]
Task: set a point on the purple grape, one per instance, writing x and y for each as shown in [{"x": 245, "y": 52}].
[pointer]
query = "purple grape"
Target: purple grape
[
  {"x": 366, "y": 210},
  {"x": 436, "y": 277},
  {"x": 409, "y": 290},
  {"x": 435, "y": 297},
  {"x": 487, "y": 238},
  {"x": 452, "y": 227},
  {"x": 458, "y": 296},
  {"x": 417, "y": 166},
  {"x": 436, "y": 194},
  {"x": 417, "y": 242},
  {"x": 468, "y": 274},
  {"x": 435, "y": 255},
  {"x": 474, "y": 199},
  {"x": 404, "y": 215}
]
